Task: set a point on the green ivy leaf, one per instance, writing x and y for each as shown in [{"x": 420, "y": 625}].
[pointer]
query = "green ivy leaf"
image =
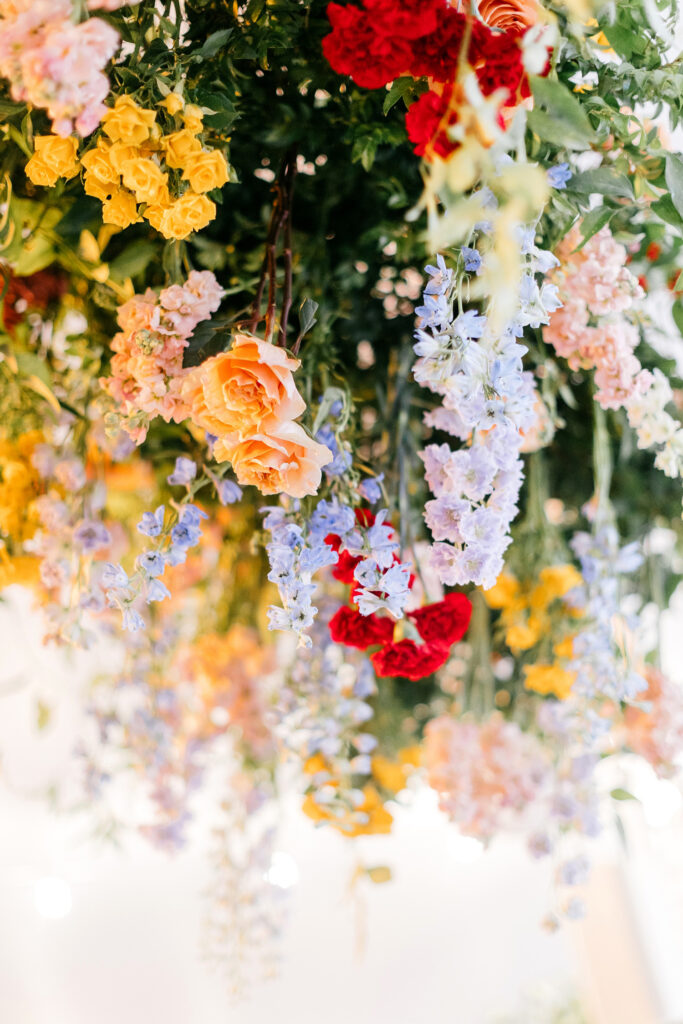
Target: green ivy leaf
[{"x": 558, "y": 116}]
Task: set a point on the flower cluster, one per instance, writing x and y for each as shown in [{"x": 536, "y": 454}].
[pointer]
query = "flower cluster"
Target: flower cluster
[
  {"x": 485, "y": 773},
  {"x": 54, "y": 63},
  {"x": 537, "y": 614},
  {"x": 601, "y": 659},
  {"x": 247, "y": 400},
  {"x": 654, "y": 729},
  {"x": 384, "y": 40},
  {"x": 136, "y": 170},
  {"x": 147, "y": 368},
  {"x": 655, "y": 427},
  {"x": 591, "y": 330},
  {"x": 431, "y": 632},
  {"x": 489, "y": 401}
]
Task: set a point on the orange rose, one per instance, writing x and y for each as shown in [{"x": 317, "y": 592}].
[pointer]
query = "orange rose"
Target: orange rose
[
  {"x": 284, "y": 462},
  {"x": 513, "y": 16},
  {"x": 248, "y": 390}
]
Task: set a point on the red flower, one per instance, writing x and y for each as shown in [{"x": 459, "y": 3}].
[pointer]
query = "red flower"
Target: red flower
[
  {"x": 348, "y": 626},
  {"x": 499, "y": 66},
  {"x": 444, "y": 622},
  {"x": 436, "y": 56},
  {"x": 37, "y": 291},
  {"x": 356, "y": 48},
  {"x": 426, "y": 122},
  {"x": 653, "y": 251},
  {"x": 409, "y": 660},
  {"x": 408, "y": 19}
]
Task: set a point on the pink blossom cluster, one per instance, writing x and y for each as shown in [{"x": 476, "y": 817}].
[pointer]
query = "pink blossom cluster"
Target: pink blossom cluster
[
  {"x": 53, "y": 63},
  {"x": 655, "y": 731},
  {"x": 483, "y": 771},
  {"x": 147, "y": 369},
  {"x": 590, "y": 330}
]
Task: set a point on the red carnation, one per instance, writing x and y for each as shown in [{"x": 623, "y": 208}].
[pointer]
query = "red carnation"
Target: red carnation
[
  {"x": 436, "y": 55},
  {"x": 409, "y": 660},
  {"x": 426, "y": 121},
  {"x": 500, "y": 66},
  {"x": 407, "y": 19},
  {"x": 354, "y": 47},
  {"x": 444, "y": 622},
  {"x": 348, "y": 626}
]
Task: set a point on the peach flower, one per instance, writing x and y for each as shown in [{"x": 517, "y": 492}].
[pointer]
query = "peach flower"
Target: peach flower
[
  {"x": 286, "y": 461},
  {"x": 249, "y": 389},
  {"x": 513, "y": 16}
]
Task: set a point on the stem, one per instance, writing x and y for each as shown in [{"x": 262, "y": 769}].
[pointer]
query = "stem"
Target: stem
[
  {"x": 287, "y": 294},
  {"x": 602, "y": 465}
]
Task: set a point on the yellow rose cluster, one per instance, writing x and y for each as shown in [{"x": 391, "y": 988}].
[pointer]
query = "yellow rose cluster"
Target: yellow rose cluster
[
  {"x": 535, "y": 614},
  {"x": 139, "y": 172},
  {"x": 19, "y": 488}
]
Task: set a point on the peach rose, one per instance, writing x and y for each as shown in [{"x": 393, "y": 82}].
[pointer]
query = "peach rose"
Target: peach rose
[
  {"x": 513, "y": 16},
  {"x": 246, "y": 390},
  {"x": 287, "y": 461}
]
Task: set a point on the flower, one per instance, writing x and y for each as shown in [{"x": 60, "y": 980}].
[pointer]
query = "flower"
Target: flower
[
  {"x": 249, "y": 389},
  {"x": 285, "y": 461},
  {"x": 190, "y": 213},
  {"x": 549, "y": 679},
  {"x": 54, "y": 157},
  {"x": 559, "y": 175},
  {"x": 127, "y": 122},
  {"x": 184, "y": 473},
  {"x": 206, "y": 170},
  {"x": 409, "y": 660},
  {"x": 180, "y": 147},
  {"x": 349, "y": 627},
  {"x": 511, "y": 16},
  {"x": 146, "y": 179},
  {"x": 119, "y": 209},
  {"x": 443, "y": 622}
]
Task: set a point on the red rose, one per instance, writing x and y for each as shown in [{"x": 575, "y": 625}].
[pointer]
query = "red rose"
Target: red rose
[
  {"x": 409, "y": 660},
  {"x": 348, "y": 626},
  {"x": 426, "y": 121},
  {"x": 407, "y": 19},
  {"x": 499, "y": 66},
  {"x": 444, "y": 622}
]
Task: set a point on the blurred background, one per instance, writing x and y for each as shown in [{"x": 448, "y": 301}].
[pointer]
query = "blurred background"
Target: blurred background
[{"x": 105, "y": 930}]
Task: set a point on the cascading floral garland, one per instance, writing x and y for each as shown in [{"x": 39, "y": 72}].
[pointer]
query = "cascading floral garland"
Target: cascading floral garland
[{"x": 383, "y": 565}]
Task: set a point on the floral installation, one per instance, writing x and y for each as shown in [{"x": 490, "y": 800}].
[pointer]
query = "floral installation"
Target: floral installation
[{"x": 341, "y": 386}]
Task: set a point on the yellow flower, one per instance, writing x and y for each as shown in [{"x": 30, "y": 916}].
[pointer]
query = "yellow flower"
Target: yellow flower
[
  {"x": 54, "y": 157},
  {"x": 522, "y": 635},
  {"x": 173, "y": 103},
  {"x": 389, "y": 774},
  {"x": 94, "y": 187},
  {"x": 379, "y": 818},
  {"x": 411, "y": 756},
  {"x": 189, "y": 213},
  {"x": 545, "y": 679},
  {"x": 179, "y": 147},
  {"x": 119, "y": 153},
  {"x": 315, "y": 764},
  {"x": 564, "y": 648},
  {"x": 22, "y": 569},
  {"x": 98, "y": 163},
  {"x": 146, "y": 179},
  {"x": 503, "y": 591},
  {"x": 205, "y": 171},
  {"x": 556, "y": 581},
  {"x": 127, "y": 122},
  {"x": 193, "y": 118},
  {"x": 120, "y": 209}
]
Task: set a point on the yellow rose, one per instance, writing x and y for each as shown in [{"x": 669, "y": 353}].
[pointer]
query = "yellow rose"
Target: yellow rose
[
  {"x": 145, "y": 178},
  {"x": 189, "y": 213},
  {"x": 205, "y": 171},
  {"x": 57, "y": 153},
  {"x": 119, "y": 152},
  {"x": 39, "y": 173},
  {"x": 193, "y": 118},
  {"x": 179, "y": 147},
  {"x": 545, "y": 679},
  {"x": 155, "y": 214},
  {"x": 120, "y": 209},
  {"x": 98, "y": 163},
  {"x": 127, "y": 122},
  {"x": 94, "y": 187},
  {"x": 173, "y": 103}
]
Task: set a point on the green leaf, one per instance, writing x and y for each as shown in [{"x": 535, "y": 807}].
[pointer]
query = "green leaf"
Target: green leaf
[
  {"x": 32, "y": 365},
  {"x": 558, "y": 116},
  {"x": 214, "y": 43},
  {"x": 604, "y": 180},
  {"x": 9, "y": 109},
  {"x": 622, "y": 794},
  {"x": 135, "y": 258},
  {"x": 208, "y": 339},
  {"x": 593, "y": 222},
  {"x": 666, "y": 211},
  {"x": 677, "y": 311},
  {"x": 307, "y": 317},
  {"x": 674, "y": 180},
  {"x": 401, "y": 89}
]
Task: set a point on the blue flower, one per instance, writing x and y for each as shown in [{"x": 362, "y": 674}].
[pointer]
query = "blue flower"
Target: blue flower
[
  {"x": 184, "y": 473},
  {"x": 151, "y": 562},
  {"x": 152, "y": 523},
  {"x": 228, "y": 492},
  {"x": 192, "y": 515},
  {"x": 91, "y": 535},
  {"x": 185, "y": 535},
  {"x": 472, "y": 258},
  {"x": 114, "y": 576},
  {"x": 558, "y": 176},
  {"x": 157, "y": 591},
  {"x": 132, "y": 620},
  {"x": 370, "y": 488}
]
